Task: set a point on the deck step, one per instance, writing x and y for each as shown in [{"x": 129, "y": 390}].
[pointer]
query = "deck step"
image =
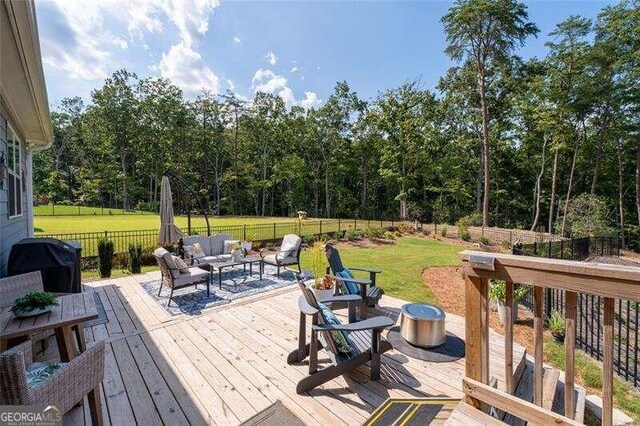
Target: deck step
[
  {"x": 579, "y": 396},
  {"x": 550, "y": 378},
  {"x": 465, "y": 414}
]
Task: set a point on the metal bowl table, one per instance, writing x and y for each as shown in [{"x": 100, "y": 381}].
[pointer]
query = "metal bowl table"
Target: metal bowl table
[{"x": 422, "y": 324}]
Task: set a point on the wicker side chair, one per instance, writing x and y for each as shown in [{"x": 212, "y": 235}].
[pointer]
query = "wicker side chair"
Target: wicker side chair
[
  {"x": 17, "y": 286},
  {"x": 64, "y": 388}
]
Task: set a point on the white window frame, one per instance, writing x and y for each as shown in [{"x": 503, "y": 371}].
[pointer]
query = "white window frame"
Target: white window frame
[{"x": 14, "y": 170}]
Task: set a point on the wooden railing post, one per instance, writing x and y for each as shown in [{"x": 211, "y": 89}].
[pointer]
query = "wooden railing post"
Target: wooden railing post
[
  {"x": 607, "y": 363},
  {"x": 537, "y": 345},
  {"x": 477, "y": 331},
  {"x": 508, "y": 339},
  {"x": 571, "y": 313}
]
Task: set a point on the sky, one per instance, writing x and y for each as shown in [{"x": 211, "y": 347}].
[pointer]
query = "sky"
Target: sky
[{"x": 295, "y": 49}]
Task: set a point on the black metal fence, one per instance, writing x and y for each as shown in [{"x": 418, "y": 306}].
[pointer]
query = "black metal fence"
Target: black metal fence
[
  {"x": 590, "y": 309},
  {"x": 252, "y": 232},
  {"x": 572, "y": 249}
]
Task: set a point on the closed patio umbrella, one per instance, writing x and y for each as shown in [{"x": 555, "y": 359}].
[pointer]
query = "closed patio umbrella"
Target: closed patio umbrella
[{"x": 169, "y": 232}]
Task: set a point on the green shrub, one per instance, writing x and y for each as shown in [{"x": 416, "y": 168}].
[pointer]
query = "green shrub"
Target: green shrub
[
  {"x": 498, "y": 291},
  {"x": 148, "y": 206},
  {"x": 389, "y": 235},
  {"x": 485, "y": 240},
  {"x": 105, "y": 257},
  {"x": 353, "y": 234},
  {"x": 464, "y": 235},
  {"x": 556, "y": 322},
  {"x": 309, "y": 239},
  {"x": 443, "y": 231},
  {"x": 506, "y": 244},
  {"x": 374, "y": 232},
  {"x": 474, "y": 219},
  {"x": 147, "y": 258},
  {"x": 463, "y": 228},
  {"x": 135, "y": 258}
]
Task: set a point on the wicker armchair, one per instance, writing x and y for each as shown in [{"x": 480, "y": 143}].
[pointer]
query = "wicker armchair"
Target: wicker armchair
[
  {"x": 66, "y": 387},
  {"x": 17, "y": 286}
]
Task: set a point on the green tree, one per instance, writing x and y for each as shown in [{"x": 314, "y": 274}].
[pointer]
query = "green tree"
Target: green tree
[{"x": 482, "y": 32}]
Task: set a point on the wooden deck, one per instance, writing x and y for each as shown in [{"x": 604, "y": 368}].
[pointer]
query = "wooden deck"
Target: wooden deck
[{"x": 228, "y": 363}]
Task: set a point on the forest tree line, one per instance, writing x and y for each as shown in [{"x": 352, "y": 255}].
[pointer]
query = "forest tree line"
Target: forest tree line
[{"x": 516, "y": 143}]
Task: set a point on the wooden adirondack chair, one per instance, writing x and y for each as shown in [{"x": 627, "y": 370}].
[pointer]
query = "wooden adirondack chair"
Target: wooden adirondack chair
[
  {"x": 369, "y": 293},
  {"x": 364, "y": 338}
]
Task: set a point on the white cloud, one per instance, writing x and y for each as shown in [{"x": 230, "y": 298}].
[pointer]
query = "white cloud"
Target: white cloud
[
  {"x": 232, "y": 86},
  {"x": 237, "y": 40},
  {"x": 294, "y": 70},
  {"x": 271, "y": 57},
  {"x": 185, "y": 68},
  {"x": 265, "y": 80},
  {"x": 86, "y": 35},
  {"x": 310, "y": 101}
]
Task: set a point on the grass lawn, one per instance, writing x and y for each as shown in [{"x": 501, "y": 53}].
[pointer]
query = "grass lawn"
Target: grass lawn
[
  {"x": 402, "y": 264},
  {"x": 119, "y": 222},
  {"x": 49, "y": 209}
]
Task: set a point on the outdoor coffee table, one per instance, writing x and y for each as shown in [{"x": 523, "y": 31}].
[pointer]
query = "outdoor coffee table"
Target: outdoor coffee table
[
  {"x": 220, "y": 266},
  {"x": 64, "y": 319},
  {"x": 422, "y": 324}
]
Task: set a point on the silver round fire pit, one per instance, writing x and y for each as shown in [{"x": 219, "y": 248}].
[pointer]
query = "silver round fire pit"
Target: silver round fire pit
[{"x": 422, "y": 324}]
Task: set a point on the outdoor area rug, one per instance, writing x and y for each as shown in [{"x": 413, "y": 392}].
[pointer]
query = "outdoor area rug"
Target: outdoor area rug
[
  {"x": 452, "y": 349},
  {"x": 236, "y": 284},
  {"x": 274, "y": 415}
]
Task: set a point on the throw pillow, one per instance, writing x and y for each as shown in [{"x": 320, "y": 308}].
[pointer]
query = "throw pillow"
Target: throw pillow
[
  {"x": 197, "y": 251},
  {"x": 288, "y": 249},
  {"x": 229, "y": 245},
  {"x": 180, "y": 264},
  {"x": 341, "y": 338},
  {"x": 38, "y": 372},
  {"x": 352, "y": 288}
]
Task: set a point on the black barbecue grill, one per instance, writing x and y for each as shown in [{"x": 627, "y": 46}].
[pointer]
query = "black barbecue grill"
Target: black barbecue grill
[{"x": 58, "y": 261}]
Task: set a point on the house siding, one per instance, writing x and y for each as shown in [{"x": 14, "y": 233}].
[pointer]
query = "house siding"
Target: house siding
[{"x": 17, "y": 228}]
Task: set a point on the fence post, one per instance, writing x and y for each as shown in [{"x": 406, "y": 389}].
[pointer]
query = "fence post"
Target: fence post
[
  {"x": 274, "y": 230},
  {"x": 244, "y": 232},
  {"x": 355, "y": 224},
  {"x": 392, "y": 223},
  {"x": 320, "y": 233},
  {"x": 338, "y": 224},
  {"x": 535, "y": 248}
]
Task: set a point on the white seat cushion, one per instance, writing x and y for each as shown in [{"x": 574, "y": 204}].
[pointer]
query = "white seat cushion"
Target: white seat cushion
[
  {"x": 271, "y": 260},
  {"x": 192, "y": 275}
]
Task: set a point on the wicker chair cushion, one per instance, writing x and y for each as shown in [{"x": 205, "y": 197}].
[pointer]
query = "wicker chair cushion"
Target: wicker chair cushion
[
  {"x": 341, "y": 338},
  {"x": 351, "y": 288},
  {"x": 38, "y": 372},
  {"x": 289, "y": 246},
  {"x": 192, "y": 275}
]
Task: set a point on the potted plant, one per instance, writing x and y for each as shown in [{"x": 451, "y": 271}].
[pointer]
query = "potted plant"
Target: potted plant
[
  {"x": 247, "y": 244},
  {"x": 556, "y": 325},
  {"x": 498, "y": 294},
  {"x": 33, "y": 303},
  {"x": 322, "y": 285},
  {"x": 237, "y": 252}
]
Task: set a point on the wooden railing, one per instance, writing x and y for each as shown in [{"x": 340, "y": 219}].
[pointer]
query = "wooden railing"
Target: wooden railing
[{"x": 608, "y": 281}]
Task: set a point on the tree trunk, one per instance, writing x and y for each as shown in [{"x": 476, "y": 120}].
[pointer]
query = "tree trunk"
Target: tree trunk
[
  {"x": 554, "y": 177},
  {"x": 125, "y": 187},
  {"x": 620, "y": 193},
  {"x": 326, "y": 193},
  {"x": 570, "y": 186},
  {"x": 638, "y": 179},
  {"x": 485, "y": 146},
  {"x": 537, "y": 191}
]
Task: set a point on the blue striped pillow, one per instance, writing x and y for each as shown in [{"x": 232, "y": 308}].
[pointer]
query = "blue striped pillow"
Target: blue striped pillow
[
  {"x": 352, "y": 288},
  {"x": 341, "y": 338}
]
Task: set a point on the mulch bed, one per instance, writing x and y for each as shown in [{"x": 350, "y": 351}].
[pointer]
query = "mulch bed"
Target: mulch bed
[{"x": 448, "y": 285}]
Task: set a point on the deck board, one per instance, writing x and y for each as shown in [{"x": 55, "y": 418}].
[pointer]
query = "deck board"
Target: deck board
[{"x": 229, "y": 362}]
